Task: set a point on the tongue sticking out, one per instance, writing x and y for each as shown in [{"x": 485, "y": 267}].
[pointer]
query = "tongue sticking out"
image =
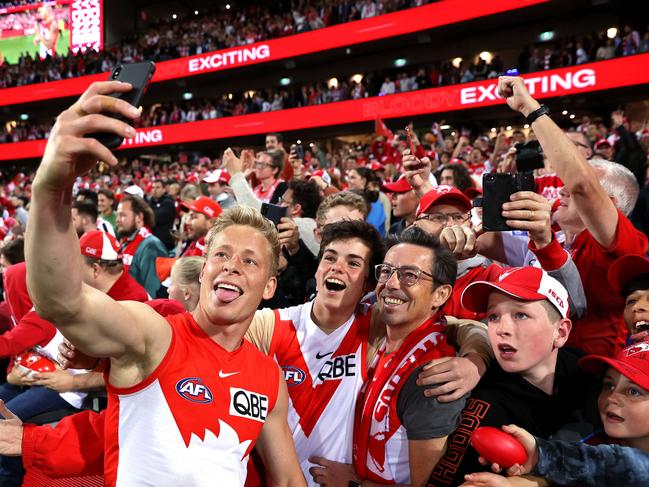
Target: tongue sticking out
[{"x": 226, "y": 295}]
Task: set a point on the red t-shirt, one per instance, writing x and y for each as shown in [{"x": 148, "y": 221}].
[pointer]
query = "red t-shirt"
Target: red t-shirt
[
  {"x": 602, "y": 330},
  {"x": 127, "y": 289}
]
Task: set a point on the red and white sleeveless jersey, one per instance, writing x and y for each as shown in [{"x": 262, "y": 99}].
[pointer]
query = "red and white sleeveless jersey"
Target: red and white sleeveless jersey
[
  {"x": 324, "y": 373},
  {"x": 194, "y": 420}
]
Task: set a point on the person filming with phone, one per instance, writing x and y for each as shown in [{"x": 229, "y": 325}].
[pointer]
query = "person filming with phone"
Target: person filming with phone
[{"x": 597, "y": 197}]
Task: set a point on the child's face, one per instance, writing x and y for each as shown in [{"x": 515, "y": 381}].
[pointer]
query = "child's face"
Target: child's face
[
  {"x": 522, "y": 336},
  {"x": 636, "y": 310},
  {"x": 624, "y": 409}
]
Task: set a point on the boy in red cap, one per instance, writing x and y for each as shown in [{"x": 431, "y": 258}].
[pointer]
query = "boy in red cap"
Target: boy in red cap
[
  {"x": 624, "y": 408},
  {"x": 533, "y": 382}
]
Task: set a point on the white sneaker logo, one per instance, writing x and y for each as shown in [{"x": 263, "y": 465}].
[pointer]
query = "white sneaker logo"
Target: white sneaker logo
[{"x": 223, "y": 375}]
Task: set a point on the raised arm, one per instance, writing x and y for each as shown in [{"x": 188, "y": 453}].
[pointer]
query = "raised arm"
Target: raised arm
[
  {"x": 94, "y": 322},
  {"x": 593, "y": 204}
]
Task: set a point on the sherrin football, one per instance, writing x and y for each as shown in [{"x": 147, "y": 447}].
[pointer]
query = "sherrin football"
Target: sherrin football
[
  {"x": 34, "y": 362},
  {"x": 496, "y": 446}
]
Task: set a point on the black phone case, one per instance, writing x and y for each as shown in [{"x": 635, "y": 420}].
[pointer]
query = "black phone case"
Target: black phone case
[
  {"x": 497, "y": 189},
  {"x": 273, "y": 212},
  {"x": 139, "y": 75}
]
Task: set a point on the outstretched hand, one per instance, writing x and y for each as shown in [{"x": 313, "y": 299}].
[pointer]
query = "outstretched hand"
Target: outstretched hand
[{"x": 68, "y": 153}]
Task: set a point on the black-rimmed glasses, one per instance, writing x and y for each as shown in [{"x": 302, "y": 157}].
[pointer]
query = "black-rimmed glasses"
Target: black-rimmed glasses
[{"x": 408, "y": 276}]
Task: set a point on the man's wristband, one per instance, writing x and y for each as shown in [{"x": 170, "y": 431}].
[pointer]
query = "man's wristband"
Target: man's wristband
[{"x": 542, "y": 110}]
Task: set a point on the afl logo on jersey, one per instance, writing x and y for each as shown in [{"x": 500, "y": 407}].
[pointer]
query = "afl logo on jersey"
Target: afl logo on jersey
[
  {"x": 293, "y": 375},
  {"x": 194, "y": 390}
]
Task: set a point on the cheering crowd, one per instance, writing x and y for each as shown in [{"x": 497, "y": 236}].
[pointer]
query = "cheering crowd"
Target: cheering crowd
[
  {"x": 401, "y": 314},
  {"x": 205, "y": 31},
  {"x": 566, "y": 52}
]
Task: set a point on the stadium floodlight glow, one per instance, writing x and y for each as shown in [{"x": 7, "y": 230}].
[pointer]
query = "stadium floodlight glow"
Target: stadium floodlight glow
[
  {"x": 611, "y": 32},
  {"x": 187, "y": 95},
  {"x": 456, "y": 62},
  {"x": 399, "y": 63},
  {"x": 493, "y": 129},
  {"x": 174, "y": 16},
  {"x": 285, "y": 81},
  {"x": 565, "y": 112},
  {"x": 227, "y": 6},
  {"x": 333, "y": 83},
  {"x": 486, "y": 56},
  {"x": 572, "y": 115},
  {"x": 24, "y": 116},
  {"x": 357, "y": 78},
  {"x": 298, "y": 141},
  {"x": 526, "y": 126},
  {"x": 444, "y": 127},
  {"x": 509, "y": 127},
  {"x": 452, "y": 134},
  {"x": 195, "y": 12},
  {"x": 546, "y": 36}
]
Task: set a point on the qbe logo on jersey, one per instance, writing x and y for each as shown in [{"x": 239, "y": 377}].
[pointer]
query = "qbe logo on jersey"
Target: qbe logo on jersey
[
  {"x": 193, "y": 389},
  {"x": 247, "y": 404}
]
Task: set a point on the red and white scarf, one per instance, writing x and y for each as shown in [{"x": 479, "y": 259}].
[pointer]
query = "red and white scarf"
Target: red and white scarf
[
  {"x": 377, "y": 403},
  {"x": 265, "y": 195},
  {"x": 129, "y": 246}
]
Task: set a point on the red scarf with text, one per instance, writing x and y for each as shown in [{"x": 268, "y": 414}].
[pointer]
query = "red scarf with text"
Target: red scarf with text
[
  {"x": 377, "y": 403},
  {"x": 129, "y": 246}
]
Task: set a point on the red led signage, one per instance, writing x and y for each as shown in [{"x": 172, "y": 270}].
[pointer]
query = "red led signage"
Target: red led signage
[{"x": 585, "y": 78}]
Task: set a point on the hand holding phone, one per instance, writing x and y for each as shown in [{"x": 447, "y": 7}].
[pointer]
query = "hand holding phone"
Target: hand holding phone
[
  {"x": 497, "y": 189},
  {"x": 299, "y": 151},
  {"x": 274, "y": 213},
  {"x": 139, "y": 76}
]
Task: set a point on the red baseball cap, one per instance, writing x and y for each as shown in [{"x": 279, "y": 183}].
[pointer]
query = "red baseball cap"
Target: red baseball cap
[
  {"x": 602, "y": 142},
  {"x": 376, "y": 166},
  {"x": 401, "y": 185},
  {"x": 525, "y": 283},
  {"x": 444, "y": 194},
  {"x": 100, "y": 245},
  {"x": 204, "y": 205},
  {"x": 632, "y": 362},
  {"x": 218, "y": 176},
  {"x": 625, "y": 269}
]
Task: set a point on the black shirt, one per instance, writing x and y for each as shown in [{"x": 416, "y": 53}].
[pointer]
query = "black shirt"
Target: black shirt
[{"x": 505, "y": 398}]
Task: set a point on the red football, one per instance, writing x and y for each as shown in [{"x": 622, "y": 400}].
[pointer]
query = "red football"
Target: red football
[
  {"x": 496, "y": 446},
  {"x": 36, "y": 362}
]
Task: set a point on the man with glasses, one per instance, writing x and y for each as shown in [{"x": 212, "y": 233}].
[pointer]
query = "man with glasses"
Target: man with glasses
[
  {"x": 445, "y": 212},
  {"x": 268, "y": 168}
]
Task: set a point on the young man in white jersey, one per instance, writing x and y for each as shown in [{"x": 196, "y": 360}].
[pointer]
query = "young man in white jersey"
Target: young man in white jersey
[{"x": 162, "y": 377}]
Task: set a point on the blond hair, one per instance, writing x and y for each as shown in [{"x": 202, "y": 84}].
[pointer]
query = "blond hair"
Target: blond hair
[
  {"x": 249, "y": 217},
  {"x": 188, "y": 269},
  {"x": 348, "y": 199}
]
